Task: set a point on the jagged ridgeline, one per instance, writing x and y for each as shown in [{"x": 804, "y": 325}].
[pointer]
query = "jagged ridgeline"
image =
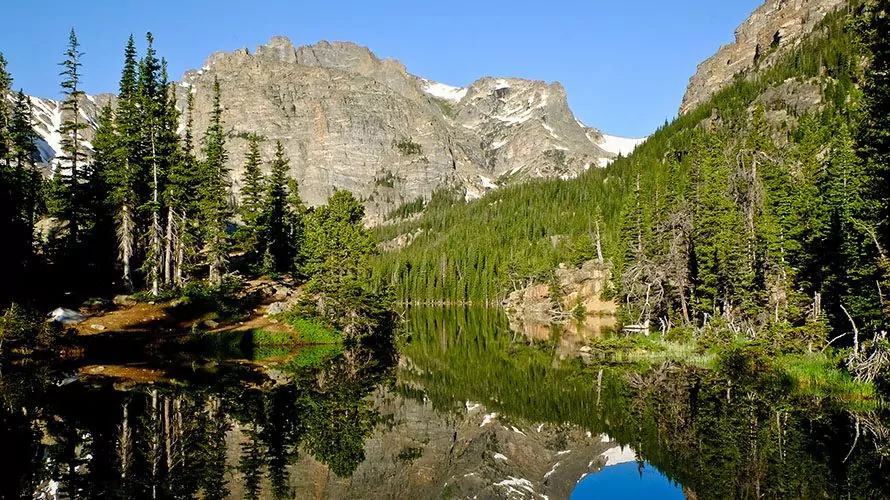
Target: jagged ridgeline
[{"x": 456, "y": 251}]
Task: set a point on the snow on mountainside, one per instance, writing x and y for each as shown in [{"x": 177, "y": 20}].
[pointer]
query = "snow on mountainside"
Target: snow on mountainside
[
  {"x": 619, "y": 145},
  {"x": 443, "y": 91}
]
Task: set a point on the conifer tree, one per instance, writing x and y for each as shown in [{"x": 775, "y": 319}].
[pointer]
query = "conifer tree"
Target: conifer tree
[
  {"x": 874, "y": 137},
  {"x": 152, "y": 100},
  {"x": 27, "y": 177},
  {"x": 276, "y": 217},
  {"x": 214, "y": 189},
  {"x": 181, "y": 183},
  {"x": 125, "y": 175},
  {"x": 71, "y": 161},
  {"x": 98, "y": 196},
  {"x": 252, "y": 194}
]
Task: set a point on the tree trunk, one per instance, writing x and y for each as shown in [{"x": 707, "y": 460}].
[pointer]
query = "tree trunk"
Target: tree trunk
[
  {"x": 125, "y": 240},
  {"x": 155, "y": 225},
  {"x": 168, "y": 250}
]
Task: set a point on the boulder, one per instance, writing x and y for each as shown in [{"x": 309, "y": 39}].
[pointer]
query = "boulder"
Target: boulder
[
  {"x": 124, "y": 300},
  {"x": 66, "y": 316},
  {"x": 277, "y": 308},
  {"x": 209, "y": 323}
]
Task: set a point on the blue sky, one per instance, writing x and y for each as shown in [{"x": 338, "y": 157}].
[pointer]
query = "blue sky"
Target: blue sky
[{"x": 625, "y": 64}]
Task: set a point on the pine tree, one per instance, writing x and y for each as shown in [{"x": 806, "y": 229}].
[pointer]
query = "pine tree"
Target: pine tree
[
  {"x": 98, "y": 196},
  {"x": 5, "y": 113},
  {"x": 181, "y": 183},
  {"x": 27, "y": 176},
  {"x": 873, "y": 143},
  {"x": 252, "y": 194},
  {"x": 125, "y": 176},
  {"x": 214, "y": 189},
  {"x": 276, "y": 217},
  {"x": 72, "y": 159},
  {"x": 152, "y": 98}
]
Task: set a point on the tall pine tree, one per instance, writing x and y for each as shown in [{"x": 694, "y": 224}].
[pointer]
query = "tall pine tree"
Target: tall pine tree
[{"x": 214, "y": 191}]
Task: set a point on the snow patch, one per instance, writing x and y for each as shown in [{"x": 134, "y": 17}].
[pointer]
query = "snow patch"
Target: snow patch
[
  {"x": 488, "y": 418},
  {"x": 605, "y": 438},
  {"x": 443, "y": 91},
  {"x": 499, "y": 456},
  {"x": 517, "y": 431},
  {"x": 515, "y": 485},
  {"x": 552, "y": 470},
  {"x": 487, "y": 183},
  {"x": 499, "y": 144},
  {"x": 619, "y": 145},
  {"x": 563, "y": 452},
  {"x": 549, "y": 129},
  {"x": 472, "y": 406},
  {"x": 619, "y": 455}
]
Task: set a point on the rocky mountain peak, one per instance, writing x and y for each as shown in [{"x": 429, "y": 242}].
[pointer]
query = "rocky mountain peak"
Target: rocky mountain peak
[
  {"x": 279, "y": 48},
  {"x": 772, "y": 29}
]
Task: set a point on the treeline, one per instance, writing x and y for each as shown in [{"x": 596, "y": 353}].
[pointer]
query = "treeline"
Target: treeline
[
  {"x": 741, "y": 209},
  {"x": 147, "y": 205}
]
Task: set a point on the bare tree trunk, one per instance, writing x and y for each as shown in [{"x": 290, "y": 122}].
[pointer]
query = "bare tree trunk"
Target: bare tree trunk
[
  {"x": 124, "y": 442},
  {"x": 168, "y": 250},
  {"x": 599, "y": 247},
  {"x": 125, "y": 242},
  {"x": 155, "y": 225},
  {"x": 180, "y": 250}
]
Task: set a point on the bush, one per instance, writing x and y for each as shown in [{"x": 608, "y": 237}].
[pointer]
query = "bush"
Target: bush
[
  {"x": 26, "y": 329},
  {"x": 408, "y": 147}
]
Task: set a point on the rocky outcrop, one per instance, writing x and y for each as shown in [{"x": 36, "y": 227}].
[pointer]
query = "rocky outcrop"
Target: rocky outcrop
[
  {"x": 531, "y": 309},
  {"x": 771, "y": 31}
]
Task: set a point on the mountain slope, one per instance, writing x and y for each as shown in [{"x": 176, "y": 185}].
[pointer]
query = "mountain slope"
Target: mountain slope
[{"x": 474, "y": 252}]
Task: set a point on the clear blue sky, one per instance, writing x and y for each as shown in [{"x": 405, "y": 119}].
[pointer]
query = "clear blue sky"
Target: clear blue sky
[{"x": 624, "y": 64}]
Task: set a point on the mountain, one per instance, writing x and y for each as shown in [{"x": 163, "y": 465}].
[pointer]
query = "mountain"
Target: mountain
[
  {"x": 349, "y": 120},
  {"x": 771, "y": 31},
  {"x": 476, "y": 252}
]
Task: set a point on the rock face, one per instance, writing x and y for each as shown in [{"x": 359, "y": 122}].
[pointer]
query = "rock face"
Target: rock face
[
  {"x": 349, "y": 120},
  {"x": 773, "y": 29},
  {"x": 583, "y": 286}
]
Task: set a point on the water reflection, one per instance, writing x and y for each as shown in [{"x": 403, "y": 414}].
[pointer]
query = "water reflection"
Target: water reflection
[
  {"x": 467, "y": 409},
  {"x": 629, "y": 481}
]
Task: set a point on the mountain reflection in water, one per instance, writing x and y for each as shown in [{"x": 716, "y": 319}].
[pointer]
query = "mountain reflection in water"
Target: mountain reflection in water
[{"x": 465, "y": 409}]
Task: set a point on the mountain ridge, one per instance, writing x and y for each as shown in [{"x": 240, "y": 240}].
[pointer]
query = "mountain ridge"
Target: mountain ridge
[{"x": 350, "y": 120}]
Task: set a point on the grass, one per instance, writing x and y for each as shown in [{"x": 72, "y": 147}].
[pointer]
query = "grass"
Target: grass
[
  {"x": 309, "y": 331},
  {"x": 816, "y": 374},
  {"x": 820, "y": 375}
]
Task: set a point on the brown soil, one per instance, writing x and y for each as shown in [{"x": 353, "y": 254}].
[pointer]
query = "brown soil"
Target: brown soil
[{"x": 140, "y": 317}]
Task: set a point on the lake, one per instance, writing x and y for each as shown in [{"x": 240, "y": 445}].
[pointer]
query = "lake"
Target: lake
[{"x": 461, "y": 407}]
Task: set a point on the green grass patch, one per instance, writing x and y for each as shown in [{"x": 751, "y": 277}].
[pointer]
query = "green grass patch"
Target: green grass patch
[
  {"x": 820, "y": 375},
  {"x": 310, "y": 331},
  {"x": 265, "y": 338}
]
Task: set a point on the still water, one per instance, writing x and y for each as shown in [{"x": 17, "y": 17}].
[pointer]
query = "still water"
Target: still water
[{"x": 463, "y": 407}]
